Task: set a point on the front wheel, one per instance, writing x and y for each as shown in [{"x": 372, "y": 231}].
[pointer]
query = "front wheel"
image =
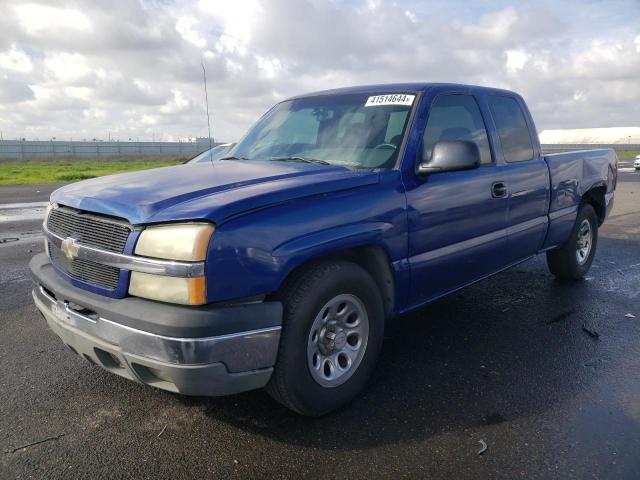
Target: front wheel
[
  {"x": 331, "y": 337},
  {"x": 573, "y": 260}
]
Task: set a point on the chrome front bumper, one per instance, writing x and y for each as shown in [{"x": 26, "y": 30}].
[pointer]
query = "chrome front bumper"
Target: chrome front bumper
[{"x": 209, "y": 366}]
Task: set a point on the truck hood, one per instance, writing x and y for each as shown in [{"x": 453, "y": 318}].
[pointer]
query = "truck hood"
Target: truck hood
[{"x": 205, "y": 191}]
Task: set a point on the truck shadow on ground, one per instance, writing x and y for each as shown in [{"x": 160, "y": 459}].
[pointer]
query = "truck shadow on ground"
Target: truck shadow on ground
[{"x": 508, "y": 347}]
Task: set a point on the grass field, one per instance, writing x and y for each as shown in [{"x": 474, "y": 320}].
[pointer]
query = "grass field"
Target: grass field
[
  {"x": 72, "y": 170},
  {"x": 59, "y": 171},
  {"x": 626, "y": 155}
]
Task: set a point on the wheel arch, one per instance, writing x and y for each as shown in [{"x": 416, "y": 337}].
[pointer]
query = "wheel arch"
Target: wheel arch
[
  {"x": 595, "y": 197},
  {"x": 372, "y": 258}
]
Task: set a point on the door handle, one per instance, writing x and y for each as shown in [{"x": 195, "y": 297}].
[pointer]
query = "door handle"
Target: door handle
[{"x": 499, "y": 190}]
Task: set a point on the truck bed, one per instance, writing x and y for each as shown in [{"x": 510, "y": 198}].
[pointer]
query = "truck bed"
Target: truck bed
[{"x": 572, "y": 175}]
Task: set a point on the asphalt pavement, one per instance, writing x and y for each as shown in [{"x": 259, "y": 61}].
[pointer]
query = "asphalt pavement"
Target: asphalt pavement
[
  {"x": 27, "y": 193},
  {"x": 545, "y": 373}
]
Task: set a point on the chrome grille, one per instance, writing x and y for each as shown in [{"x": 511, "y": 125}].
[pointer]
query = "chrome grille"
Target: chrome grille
[
  {"x": 89, "y": 229},
  {"x": 86, "y": 270}
]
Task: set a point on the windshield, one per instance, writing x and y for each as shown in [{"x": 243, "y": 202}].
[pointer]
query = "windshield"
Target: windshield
[
  {"x": 353, "y": 130},
  {"x": 213, "y": 154}
]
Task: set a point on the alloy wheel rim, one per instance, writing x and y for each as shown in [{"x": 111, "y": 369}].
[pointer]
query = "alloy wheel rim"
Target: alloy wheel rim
[
  {"x": 585, "y": 242},
  {"x": 337, "y": 340}
]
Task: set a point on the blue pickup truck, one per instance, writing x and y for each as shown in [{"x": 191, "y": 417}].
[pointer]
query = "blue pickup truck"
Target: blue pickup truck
[{"x": 279, "y": 265}]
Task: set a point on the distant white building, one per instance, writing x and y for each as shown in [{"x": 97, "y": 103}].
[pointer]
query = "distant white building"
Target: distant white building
[
  {"x": 591, "y": 135},
  {"x": 195, "y": 139}
]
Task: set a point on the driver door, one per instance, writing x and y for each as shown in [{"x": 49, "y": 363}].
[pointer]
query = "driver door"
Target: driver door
[{"x": 457, "y": 223}]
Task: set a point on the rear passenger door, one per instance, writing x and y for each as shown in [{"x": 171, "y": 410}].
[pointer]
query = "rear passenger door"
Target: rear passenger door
[
  {"x": 457, "y": 226},
  {"x": 527, "y": 176}
]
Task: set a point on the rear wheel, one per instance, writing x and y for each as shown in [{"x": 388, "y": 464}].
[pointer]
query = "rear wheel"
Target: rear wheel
[
  {"x": 331, "y": 337},
  {"x": 573, "y": 260}
]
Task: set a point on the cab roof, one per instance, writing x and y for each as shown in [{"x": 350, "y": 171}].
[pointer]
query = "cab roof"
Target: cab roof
[{"x": 401, "y": 88}]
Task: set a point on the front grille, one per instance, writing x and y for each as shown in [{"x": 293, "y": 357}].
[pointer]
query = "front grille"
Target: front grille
[
  {"x": 86, "y": 270},
  {"x": 89, "y": 229},
  {"x": 94, "y": 231}
]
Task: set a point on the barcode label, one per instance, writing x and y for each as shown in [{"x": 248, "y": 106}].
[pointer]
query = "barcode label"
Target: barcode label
[{"x": 394, "y": 99}]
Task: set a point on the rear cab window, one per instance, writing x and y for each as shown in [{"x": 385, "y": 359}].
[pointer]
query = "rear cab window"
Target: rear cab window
[
  {"x": 456, "y": 117},
  {"x": 512, "y": 128}
]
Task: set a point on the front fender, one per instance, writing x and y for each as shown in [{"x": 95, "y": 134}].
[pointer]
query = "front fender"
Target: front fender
[
  {"x": 334, "y": 239},
  {"x": 253, "y": 254}
]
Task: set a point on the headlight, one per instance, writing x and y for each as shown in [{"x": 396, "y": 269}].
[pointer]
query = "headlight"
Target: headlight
[
  {"x": 185, "y": 242},
  {"x": 188, "y": 241},
  {"x": 186, "y": 291}
]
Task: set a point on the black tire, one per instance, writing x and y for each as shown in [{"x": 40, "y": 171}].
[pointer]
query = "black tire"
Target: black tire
[
  {"x": 304, "y": 296},
  {"x": 563, "y": 262}
]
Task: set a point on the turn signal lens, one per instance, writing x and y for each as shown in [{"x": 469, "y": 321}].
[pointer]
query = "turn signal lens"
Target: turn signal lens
[{"x": 184, "y": 291}]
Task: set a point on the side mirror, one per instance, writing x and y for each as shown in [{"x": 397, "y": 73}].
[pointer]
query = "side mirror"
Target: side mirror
[{"x": 450, "y": 156}]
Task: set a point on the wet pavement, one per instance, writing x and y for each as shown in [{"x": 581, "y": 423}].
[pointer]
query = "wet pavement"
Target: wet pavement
[
  {"x": 27, "y": 193},
  {"x": 545, "y": 373}
]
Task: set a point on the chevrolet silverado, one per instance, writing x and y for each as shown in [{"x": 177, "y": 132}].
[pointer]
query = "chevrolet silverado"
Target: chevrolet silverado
[{"x": 279, "y": 265}]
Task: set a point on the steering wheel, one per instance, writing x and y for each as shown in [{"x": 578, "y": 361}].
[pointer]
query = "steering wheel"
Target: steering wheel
[{"x": 386, "y": 145}]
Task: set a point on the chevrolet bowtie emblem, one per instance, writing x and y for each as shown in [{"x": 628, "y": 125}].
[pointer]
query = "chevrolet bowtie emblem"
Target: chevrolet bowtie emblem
[{"x": 69, "y": 248}]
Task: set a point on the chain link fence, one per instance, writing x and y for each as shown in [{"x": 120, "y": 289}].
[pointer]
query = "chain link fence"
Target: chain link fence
[{"x": 42, "y": 150}]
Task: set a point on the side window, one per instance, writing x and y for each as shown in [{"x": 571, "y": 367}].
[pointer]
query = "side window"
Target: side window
[
  {"x": 513, "y": 131},
  {"x": 456, "y": 117}
]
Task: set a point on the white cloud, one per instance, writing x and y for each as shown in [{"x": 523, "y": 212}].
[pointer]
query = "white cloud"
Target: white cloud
[
  {"x": 516, "y": 60},
  {"x": 94, "y": 114},
  {"x": 411, "y": 16},
  {"x": 148, "y": 119},
  {"x": 178, "y": 103},
  {"x": 185, "y": 27},
  {"x": 493, "y": 27},
  {"x": 41, "y": 19},
  {"x": 15, "y": 60},
  {"x": 238, "y": 17},
  {"x": 67, "y": 67},
  {"x": 82, "y": 93},
  {"x": 270, "y": 67},
  {"x": 132, "y": 67}
]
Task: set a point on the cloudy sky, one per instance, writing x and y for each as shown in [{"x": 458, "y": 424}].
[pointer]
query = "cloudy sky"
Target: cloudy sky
[{"x": 81, "y": 69}]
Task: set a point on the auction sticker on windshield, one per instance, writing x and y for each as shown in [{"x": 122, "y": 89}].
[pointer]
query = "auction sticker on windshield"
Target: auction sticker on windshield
[{"x": 394, "y": 99}]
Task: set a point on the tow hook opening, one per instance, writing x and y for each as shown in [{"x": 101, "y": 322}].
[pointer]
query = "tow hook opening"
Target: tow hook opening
[{"x": 85, "y": 312}]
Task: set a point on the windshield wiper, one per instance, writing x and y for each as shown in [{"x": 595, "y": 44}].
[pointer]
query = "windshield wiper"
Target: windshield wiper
[
  {"x": 300, "y": 159},
  {"x": 233, "y": 158}
]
